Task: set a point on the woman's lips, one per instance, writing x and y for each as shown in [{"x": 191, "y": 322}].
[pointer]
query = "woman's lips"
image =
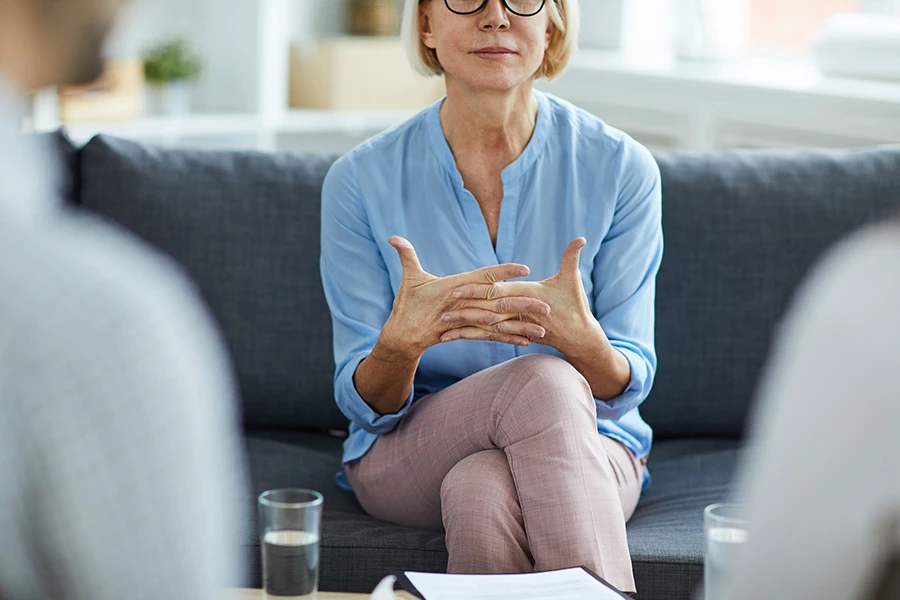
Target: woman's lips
[{"x": 494, "y": 52}]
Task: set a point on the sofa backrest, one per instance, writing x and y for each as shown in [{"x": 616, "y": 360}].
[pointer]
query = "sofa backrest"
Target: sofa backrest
[
  {"x": 741, "y": 229},
  {"x": 245, "y": 226}
]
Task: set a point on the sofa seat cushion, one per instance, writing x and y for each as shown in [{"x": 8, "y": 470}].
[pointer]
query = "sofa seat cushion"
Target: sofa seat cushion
[{"x": 665, "y": 534}]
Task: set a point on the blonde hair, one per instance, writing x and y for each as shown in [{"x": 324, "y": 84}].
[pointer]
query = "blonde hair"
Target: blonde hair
[{"x": 564, "y": 15}]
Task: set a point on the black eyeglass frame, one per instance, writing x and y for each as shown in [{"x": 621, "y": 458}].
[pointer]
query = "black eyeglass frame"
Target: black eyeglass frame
[{"x": 505, "y": 4}]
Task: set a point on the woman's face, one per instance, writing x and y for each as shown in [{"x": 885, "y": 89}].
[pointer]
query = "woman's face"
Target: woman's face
[{"x": 492, "y": 49}]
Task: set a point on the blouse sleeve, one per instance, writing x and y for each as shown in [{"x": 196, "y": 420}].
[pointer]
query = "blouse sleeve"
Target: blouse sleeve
[
  {"x": 358, "y": 291},
  {"x": 624, "y": 274}
]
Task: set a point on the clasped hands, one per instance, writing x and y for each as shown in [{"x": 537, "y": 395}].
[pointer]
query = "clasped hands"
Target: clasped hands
[{"x": 484, "y": 305}]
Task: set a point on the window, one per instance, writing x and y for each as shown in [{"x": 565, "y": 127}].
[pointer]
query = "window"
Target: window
[
  {"x": 778, "y": 28},
  {"x": 791, "y": 25}
]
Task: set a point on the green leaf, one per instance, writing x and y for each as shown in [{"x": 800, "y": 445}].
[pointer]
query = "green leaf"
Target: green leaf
[{"x": 171, "y": 60}]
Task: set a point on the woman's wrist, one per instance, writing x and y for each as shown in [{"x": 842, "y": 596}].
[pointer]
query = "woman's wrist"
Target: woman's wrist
[
  {"x": 585, "y": 341},
  {"x": 605, "y": 368},
  {"x": 385, "y": 378},
  {"x": 393, "y": 346},
  {"x": 619, "y": 376}
]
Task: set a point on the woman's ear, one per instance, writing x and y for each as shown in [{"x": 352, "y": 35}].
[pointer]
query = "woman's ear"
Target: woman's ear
[{"x": 426, "y": 31}]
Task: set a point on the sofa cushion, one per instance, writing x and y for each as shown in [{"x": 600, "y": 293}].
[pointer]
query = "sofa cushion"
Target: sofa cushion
[
  {"x": 741, "y": 230},
  {"x": 245, "y": 226},
  {"x": 665, "y": 534}
]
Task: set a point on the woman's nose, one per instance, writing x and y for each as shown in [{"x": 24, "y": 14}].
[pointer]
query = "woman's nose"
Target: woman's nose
[{"x": 494, "y": 15}]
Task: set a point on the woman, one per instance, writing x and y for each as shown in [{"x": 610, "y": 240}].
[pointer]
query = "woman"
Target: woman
[{"x": 504, "y": 411}]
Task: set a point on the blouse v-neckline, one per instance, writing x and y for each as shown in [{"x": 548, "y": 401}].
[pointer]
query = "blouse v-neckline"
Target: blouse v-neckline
[{"x": 511, "y": 177}]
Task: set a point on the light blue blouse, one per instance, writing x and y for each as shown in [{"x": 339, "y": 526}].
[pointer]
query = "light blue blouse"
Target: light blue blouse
[{"x": 576, "y": 177}]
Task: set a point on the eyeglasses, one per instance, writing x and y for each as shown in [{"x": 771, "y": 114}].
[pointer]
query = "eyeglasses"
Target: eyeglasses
[{"x": 522, "y": 8}]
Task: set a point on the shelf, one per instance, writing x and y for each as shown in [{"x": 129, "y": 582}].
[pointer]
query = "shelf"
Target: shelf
[
  {"x": 757, "y": 74},
  {"x": 225, "y": 125},
  {"x": 741, "y": 103},
  {"x": 352, "y": 122},
  {"x": 167, "y": 127}
]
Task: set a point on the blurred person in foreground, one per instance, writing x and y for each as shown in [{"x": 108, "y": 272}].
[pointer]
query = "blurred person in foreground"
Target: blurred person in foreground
[
  {"x": 822, "y": 483},
  {"x": 119, "y": 461}
]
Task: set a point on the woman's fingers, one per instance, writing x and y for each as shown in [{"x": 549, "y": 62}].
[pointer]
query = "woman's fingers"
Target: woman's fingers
[
  {"x": 408, "y": 257},
  {"x": 478, "y": 334},
  {"x": 491, "y": 321},
  {"x": 513, "y": 305},
  {"x": 511, "y": 326},
  {"x": 493, "y": 274},
  {"x": 494, "y": 291},
  {"x": 571, "y": 257}
]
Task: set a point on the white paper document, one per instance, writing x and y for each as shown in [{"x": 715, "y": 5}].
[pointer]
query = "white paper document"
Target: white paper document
[{"x": 568, "y": 584}]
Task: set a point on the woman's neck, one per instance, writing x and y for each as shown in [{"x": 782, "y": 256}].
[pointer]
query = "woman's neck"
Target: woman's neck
[{"x": 488, "y": 125}]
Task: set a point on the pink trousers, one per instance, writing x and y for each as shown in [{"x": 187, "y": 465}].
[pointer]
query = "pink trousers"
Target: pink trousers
[{"x": 509, "y": 462}]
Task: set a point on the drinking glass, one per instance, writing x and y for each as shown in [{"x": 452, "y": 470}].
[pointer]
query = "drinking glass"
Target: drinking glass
[
  {"x": 289, "y": 521},
  {"x": 724, "y": 532}
]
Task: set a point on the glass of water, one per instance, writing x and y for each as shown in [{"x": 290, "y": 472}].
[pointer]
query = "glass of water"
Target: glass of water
[
  {"x": 289, "y": 521},
  {"x": 724, "y": 532}
]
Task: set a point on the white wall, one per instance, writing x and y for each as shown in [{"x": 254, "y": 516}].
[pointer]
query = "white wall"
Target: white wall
[
  {"x": 316, "y": 18},
  {"x": 649, "y": 27},
  {"x": 143, "y": 22},
  {"x": 226, "y": 33},
  {"x": 887, "y": 7}
]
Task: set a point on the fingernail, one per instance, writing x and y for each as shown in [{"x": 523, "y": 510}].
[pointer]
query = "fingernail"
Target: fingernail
[
  {"x": 457, "y": 295},
  {"x": 446, "y": 318}
]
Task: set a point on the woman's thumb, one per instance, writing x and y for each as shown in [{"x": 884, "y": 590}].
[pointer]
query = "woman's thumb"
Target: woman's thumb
[{"x": 408, "y": 258}]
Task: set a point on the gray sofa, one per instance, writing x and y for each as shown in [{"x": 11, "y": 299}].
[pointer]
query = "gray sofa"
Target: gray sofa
[{"x": 741, "y": 230}]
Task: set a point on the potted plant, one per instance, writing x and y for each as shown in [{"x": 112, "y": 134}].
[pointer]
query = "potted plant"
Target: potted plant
[{"x": 169, "y": 69}]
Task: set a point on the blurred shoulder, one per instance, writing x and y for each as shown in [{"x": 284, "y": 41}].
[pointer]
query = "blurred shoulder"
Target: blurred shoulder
[{"x": 79, "y": 278}]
